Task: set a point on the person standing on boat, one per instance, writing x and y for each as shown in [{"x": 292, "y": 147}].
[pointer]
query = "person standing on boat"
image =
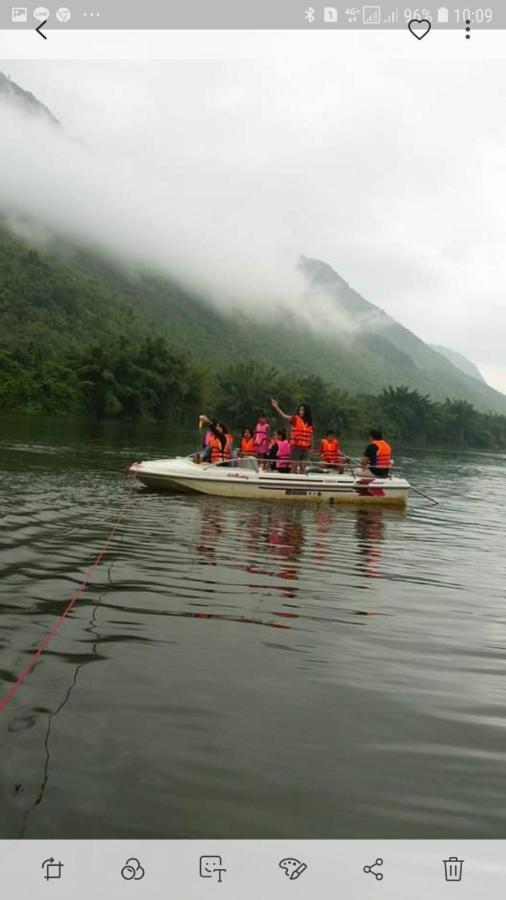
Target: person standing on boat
[
  {"x": 280, "y": 452},
  {"x": 221, "y": 441},
  {"x": 262, "y": 431},
  {"x": 377, "y": 457},
  {"x": 247, "y": 446},
  {"x": 301, "y": 436}
]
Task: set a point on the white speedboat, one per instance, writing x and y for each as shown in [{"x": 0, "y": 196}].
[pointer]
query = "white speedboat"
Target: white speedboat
[{"x": 245, "y": 479}]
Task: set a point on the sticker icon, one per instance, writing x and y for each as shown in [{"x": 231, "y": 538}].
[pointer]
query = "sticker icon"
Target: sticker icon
[{"x": 212, "y": 866}]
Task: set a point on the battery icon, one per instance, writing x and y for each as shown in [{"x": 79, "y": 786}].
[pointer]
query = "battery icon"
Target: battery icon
[{"x": 442, "y": 14}]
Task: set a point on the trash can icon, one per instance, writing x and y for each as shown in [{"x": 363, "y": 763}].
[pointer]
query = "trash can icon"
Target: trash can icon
[{"x": 453, "y": 868}]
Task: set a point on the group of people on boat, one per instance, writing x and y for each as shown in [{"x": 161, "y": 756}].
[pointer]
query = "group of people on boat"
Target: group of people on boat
[{"x": 282, "y": 453}]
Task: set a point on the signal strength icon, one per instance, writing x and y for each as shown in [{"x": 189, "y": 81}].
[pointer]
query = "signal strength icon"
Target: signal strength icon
[{"x": 392, "y": 19}]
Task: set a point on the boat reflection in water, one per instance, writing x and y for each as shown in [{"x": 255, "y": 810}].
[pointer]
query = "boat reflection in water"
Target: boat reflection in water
[{"x": 299, "y": 555}]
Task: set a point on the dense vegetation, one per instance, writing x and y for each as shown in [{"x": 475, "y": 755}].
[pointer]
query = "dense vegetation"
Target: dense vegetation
[
  {"x": 78, "y": 338},
  {"x": 406, "y": 416}
]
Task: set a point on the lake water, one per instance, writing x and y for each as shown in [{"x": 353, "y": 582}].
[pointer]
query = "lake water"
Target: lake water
[{"x": 243, "y": 669}]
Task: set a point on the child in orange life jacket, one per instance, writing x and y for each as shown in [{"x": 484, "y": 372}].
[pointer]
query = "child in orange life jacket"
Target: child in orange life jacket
[
  {"x": 330, "y": 448},
  {"x": 247, "y": 446},
  {"x": 280, "y": 451}
]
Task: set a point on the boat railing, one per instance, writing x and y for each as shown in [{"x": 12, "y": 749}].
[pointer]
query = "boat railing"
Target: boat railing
[{"x": 345, "y": 465}]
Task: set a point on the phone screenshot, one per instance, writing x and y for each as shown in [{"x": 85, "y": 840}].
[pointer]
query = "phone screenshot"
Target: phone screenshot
[{"x": 252, "y": 450}]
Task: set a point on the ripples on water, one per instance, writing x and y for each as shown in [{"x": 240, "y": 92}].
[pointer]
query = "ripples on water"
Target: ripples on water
[{"x": 250, "y": 669}]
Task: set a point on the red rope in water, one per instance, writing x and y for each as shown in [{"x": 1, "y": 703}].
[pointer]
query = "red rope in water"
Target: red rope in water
[{"x": 53, "y": 631}]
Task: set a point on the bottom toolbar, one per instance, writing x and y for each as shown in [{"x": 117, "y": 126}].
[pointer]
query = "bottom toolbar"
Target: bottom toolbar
[{"x": 249, "y": 869}]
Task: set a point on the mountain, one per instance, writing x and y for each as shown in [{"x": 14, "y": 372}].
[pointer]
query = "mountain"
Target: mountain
[
  {"x": 460, "y": 361},
  {"x": 24, "y": 100},
  {"x": 53, "y": 300},
  {"x": 380, "y": 352}
]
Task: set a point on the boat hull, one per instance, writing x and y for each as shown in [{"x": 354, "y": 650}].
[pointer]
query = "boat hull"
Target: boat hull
[{"x": 183, "y": 475}]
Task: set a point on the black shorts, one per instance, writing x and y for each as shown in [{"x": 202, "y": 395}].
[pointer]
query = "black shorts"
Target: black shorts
[{"x": 300, "y": 453}]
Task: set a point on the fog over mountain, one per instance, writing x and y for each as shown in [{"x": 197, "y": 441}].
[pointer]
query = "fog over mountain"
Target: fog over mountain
[
  {"x": 461, "y": 361},
  {"x": 220, "y": 175}
]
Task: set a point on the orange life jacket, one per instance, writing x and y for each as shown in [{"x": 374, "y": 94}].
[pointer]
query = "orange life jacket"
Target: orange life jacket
[
  {"x": 330, "y": 451},
  {"x": 383, "y": 455},
  {"x": 301, "y": 434},
  {"x": 219, "y": 454},
  {"x": 248, "y": 447}
]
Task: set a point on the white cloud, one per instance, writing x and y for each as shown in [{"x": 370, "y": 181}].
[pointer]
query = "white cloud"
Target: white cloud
[{"x": 223, "y": 172}]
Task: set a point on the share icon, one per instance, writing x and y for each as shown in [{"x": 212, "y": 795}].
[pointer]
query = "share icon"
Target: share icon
[{"x": 369, "y": 870}]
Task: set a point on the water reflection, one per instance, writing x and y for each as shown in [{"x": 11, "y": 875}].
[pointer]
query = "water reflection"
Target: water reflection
[
  {"x": 370, "y": 532},
  {"x": 375, "y": 646}
]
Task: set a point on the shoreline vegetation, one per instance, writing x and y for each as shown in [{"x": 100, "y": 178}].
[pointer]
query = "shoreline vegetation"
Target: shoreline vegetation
[
  {"x": 77, "y": 338},
  {"x": 146, "y": 380}
]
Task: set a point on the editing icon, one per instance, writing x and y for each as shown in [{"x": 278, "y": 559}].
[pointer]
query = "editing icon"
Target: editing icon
[
  {"x": 132, "y": 870},
  {"x": 453, "y": 868},
  {"x": 292, "y": 868},
  {"x": 19, "y": 14},
  {"x": 52, "y": 869},
  {"x": 212, "y": 867},
  {"x": 41, "y": 14},
  {"x": 63, "y": 14},
  {"x": 310, "y": 15},
  {"x": 369, "y": 870},
  {"x": 419, "y": 28}
]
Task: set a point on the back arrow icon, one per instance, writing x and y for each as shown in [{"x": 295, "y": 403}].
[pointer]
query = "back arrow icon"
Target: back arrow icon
[{"x": 39, "y": 31}]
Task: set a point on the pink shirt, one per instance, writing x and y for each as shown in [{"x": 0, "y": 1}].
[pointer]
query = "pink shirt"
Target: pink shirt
[{"x": 262, "y": 437}]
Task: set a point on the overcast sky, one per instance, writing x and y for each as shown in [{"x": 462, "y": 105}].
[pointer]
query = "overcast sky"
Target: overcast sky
[{"x": 225, "y": 172}]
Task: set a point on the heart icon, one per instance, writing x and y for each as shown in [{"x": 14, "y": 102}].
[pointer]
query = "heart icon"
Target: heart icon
[{"x": 419, "y": 27}]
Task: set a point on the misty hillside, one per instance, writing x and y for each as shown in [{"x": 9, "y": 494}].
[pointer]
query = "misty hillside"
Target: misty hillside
[
  {"x": 11, "y": 91},
  {"x": 460, "y": 361},
  {"x": 53, "y": 301}
]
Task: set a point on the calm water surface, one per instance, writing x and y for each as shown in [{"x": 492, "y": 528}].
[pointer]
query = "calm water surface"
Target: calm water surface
[{"x": 246, "y": 669}]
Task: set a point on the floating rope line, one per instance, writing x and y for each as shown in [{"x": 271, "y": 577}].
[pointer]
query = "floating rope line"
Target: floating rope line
[{"x": 76, "y": 596}]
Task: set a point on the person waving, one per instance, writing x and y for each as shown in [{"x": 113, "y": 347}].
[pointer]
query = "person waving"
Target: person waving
[{"x": 301, "y": 437}]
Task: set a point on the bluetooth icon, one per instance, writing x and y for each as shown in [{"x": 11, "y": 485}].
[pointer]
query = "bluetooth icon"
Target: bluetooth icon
[{"x": 309, "y": 14}]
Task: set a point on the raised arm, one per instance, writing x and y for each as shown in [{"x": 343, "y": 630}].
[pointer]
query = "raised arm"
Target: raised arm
[
  {"x": 211, "y": 424},
  {"x": 275, "y": 405}
]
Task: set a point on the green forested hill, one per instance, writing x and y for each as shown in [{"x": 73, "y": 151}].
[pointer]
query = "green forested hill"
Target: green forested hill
[
  {"x": 55, "y": 303},
  {"x": 77, "y": 336}
]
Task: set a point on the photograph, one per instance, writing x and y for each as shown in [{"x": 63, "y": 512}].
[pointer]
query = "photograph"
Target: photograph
[{"x": 252, "y": 373}]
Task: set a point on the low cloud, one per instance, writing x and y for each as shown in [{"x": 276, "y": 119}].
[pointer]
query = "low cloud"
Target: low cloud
[{"x": 221, "y": 174}]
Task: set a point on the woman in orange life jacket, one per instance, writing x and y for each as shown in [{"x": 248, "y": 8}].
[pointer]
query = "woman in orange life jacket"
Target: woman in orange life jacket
[
  {"x": 247, "y": 446},
  {"x": 377, "y": 457},
  {"x": 301, "y": 436},
  {"x": 280, "y": 452},
  {"x": 221, "y": 441}
]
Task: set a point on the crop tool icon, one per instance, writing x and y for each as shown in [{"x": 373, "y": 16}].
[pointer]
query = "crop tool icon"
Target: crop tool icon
[{"x": 52, "y": 869}]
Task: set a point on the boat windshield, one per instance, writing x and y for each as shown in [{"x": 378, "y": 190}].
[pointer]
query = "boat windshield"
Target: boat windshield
[{"x": 245, "y": 462}]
